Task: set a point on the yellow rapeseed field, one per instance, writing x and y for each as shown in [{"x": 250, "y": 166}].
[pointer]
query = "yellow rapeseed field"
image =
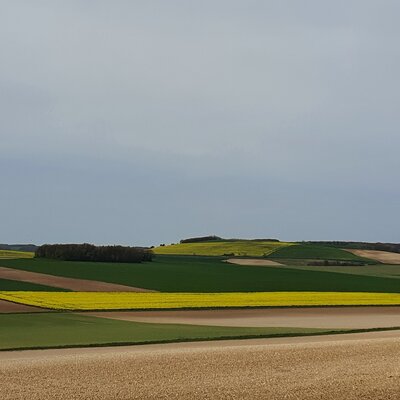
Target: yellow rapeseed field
[
  {"x": 140, "y": 301},
  {"x": 10, "y": 254},
  {"x": 252, "y": 248}
]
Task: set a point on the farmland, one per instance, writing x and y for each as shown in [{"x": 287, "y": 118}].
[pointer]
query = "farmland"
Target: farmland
[
  {"x": 253, "y": 248},
  {"x": 65, "y": 330},
  {"x": 310, "y": 368},
  {"x": 183, "y": 282},
  {"x": 8, "y": 284},
  {"x": 315, "y": 252},
  {"x": 144, "y": 301},
  {"x": 11, "y": 254},
  {"x": 207, "y": 274}
]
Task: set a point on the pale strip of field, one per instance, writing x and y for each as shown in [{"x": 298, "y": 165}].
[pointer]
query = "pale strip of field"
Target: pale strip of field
[
  {"x": 351, "y": 367},
  {"x": 385, "y": 257},
  {"x": 335, "y": 318},
  {"x": 65, "y": 283},
  {"x": 253, "y": 262},
  {"x": 141, "y": 301},
  {"x": 8, "y": 307}
]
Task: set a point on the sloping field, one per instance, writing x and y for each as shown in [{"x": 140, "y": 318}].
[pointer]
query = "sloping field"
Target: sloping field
[
  {"x": 11, "y": 254},
  {"x": 385, "y": 257},
  {"x": 65, "y": 283},
  {"x": 252, "y": 248},
  {"x": 10, "y": 284},
  {"x": 323, "y": 368},
  {"x": 207, "y": 274},
  {"x": 8, "y": 307},
  {"x": 142, "y": 301},
  {"x": 47, "y": 330},
  {"x": 315, "y": 317},
  {"x": 315, "y": 252},
  {"x": 377, "y": 270}
]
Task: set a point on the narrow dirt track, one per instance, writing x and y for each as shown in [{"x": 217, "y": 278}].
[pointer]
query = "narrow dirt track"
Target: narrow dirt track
[
  {"x": 335, "y": 317},
  {"x": 385, "y": 257},
  {"x": 363, "y": 366},
  {"x": 79, "y": 285}
]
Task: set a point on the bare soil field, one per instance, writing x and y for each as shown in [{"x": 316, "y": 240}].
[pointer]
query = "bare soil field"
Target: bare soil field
[
  {"x": 358, "y": 366},
  {"x": 9, "y": 307},
  {"x": 385, "y": 257},
  {"x": 79, "y": 285},
  {"x": 253, "y": 262},
  {"x": 318, "y": 317}
]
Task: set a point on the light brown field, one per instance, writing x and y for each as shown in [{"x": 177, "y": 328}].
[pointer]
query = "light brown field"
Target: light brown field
[
  {"x": 318, "y": 317},
  {"x": 385, "y": 257},
  {"x": 78, "y": 285},
  {"x": 253, "y": 262},
  {"x": 351, "y": 367},
  {"x": 8, "y": 307}
]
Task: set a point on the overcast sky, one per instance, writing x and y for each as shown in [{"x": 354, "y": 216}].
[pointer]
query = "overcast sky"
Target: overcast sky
[{"x": 141, "y": 122}]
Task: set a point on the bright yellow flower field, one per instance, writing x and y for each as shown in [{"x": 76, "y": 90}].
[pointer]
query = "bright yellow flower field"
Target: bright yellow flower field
[{"x": 135, "y": 301}]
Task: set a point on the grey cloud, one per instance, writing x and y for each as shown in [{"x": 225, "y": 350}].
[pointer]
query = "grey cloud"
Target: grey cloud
[{"x": 248, "y": 117}]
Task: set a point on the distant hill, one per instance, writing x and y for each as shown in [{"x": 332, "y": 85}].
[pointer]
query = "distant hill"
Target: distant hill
[
  {"x": 224, "y": 247},
  {"x": 271, "y": 248},
  {"x": 19, "y": 247}
]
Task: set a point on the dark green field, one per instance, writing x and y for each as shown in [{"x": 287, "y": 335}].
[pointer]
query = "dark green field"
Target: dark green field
[
  {"x": 315, "y": 252},
  {"x": 44, "y": 330},
  {"x": 6, "y": 284},
  {"x": 209, "y": 274}
]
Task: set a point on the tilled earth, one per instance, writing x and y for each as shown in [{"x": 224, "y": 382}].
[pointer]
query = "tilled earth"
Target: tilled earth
[{"x": 358, "y": 367}]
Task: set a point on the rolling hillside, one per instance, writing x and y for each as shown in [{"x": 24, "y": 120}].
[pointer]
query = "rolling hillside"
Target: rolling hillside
[{"x": 252, "y": 248}]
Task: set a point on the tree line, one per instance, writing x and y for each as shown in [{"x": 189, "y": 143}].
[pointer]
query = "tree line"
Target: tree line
[{"x": 90, "y": 252}]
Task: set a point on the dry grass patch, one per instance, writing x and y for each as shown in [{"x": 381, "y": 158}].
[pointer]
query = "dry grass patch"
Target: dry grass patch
[{"x": 385, "y": 257}]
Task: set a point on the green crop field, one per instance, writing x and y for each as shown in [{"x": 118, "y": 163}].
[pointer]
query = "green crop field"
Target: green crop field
[
  {"x": 8, "y": 284},
  {"x": 209, "y": 274},
  {"x": 315, "y": 252},
  {"x": 10, "y": 254},
  {"x": 379, "y": 270},
  {"x": 254, "y": 248},
  {"x": 18, "y": 331}
]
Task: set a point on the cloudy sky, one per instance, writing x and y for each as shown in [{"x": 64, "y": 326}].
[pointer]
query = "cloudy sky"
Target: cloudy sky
[{"x": 141, "y": 122}]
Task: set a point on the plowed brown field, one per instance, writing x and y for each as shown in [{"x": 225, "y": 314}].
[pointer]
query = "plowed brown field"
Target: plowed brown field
[
  {"x": 363, "y": 366},
  {"x": 385, "y": 257},
  {"x": 8, "y": 307}
]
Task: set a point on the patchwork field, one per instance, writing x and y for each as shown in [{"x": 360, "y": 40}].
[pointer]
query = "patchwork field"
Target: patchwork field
[
  {"x": 45, "y": 330},
  {"x": 253, "y": 248},
  {"x": 218, "y": 297},
  {"x": 210, "y": 274}
]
